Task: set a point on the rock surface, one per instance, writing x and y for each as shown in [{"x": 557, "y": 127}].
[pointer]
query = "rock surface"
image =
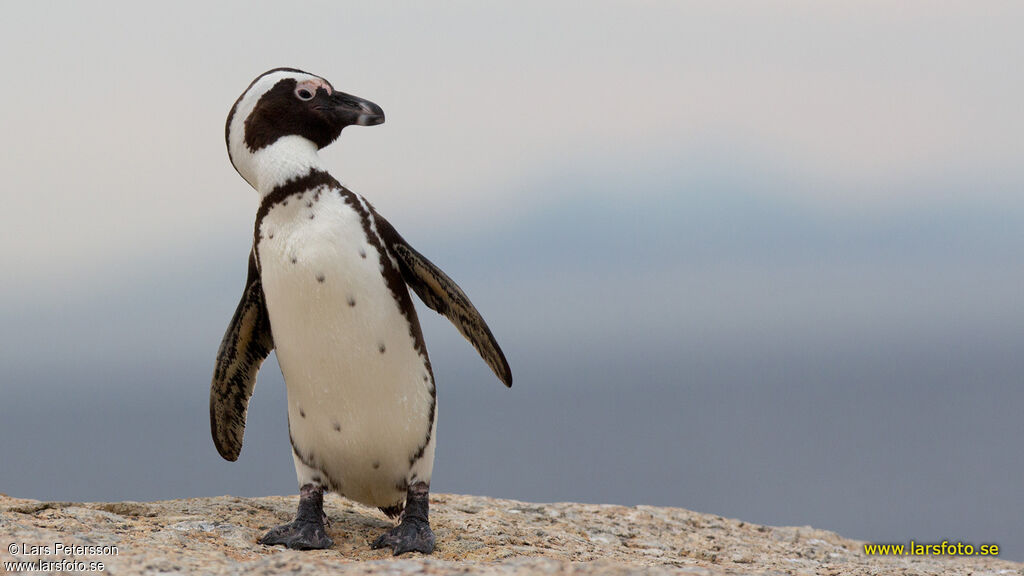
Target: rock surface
[{"x": 475, "y": 535}]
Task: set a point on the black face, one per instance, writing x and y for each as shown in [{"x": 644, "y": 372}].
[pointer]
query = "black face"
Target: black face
[{"x": 310, "y": 108}]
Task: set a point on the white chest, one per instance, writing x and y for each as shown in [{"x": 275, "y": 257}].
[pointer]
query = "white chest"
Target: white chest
[{"x": 360, "y": 401}]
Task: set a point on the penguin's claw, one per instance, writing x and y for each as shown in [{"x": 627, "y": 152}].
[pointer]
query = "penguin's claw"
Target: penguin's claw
[
  {"x": 298, "y": 535},
  {"x": 412, "y": 535}
]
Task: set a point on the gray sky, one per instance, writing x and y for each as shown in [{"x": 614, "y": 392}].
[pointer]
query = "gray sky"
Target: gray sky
[{"x": 757, "y": 259}]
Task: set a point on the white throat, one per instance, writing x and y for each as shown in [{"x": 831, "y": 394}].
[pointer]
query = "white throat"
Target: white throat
[{"x": 288, "y": 158}]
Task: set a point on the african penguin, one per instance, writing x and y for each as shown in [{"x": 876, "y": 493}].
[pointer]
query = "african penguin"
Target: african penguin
[{"x": 326, "y": 288}]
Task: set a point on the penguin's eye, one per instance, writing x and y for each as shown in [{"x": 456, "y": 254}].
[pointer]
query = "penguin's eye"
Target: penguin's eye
[{"x": 303, "y": 94}]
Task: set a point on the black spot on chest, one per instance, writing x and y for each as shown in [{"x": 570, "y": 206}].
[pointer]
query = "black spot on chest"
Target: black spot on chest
[{"x": 313, "y": 180}]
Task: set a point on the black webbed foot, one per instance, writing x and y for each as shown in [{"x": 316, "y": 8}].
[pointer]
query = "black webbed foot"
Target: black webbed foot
[
  {"x": 298, "y": 536},
  {"x": 413, "y": 533},
  {"x": 307, "y": 531}
]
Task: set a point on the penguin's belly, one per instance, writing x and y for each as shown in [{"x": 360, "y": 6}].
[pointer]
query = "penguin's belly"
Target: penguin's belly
[{"x": 360, "y": 402}]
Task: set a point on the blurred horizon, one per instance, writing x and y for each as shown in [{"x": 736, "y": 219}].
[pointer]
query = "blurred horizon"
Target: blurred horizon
[{"x": 762, "y": 261}]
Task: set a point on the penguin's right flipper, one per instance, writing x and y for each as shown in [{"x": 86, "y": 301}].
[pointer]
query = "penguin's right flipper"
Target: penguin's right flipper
[
  {"x": 245, "y": 346},
  {"x": 444, "y": 296}
]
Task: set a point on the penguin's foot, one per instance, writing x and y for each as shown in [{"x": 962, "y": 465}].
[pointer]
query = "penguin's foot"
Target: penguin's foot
[
  {"x": 307, "y": 531},
  {"x": 413, "y": 533},
  {"x": 298, "y": 536}
]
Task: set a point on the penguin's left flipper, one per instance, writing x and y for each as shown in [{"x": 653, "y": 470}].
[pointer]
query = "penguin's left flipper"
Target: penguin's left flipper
[
  {"x": 245, "y": 346},
  {"x": 444, "y": 296}
]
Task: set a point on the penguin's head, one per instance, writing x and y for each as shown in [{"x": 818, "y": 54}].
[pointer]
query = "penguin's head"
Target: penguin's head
[{"x": 294, "y": 109}]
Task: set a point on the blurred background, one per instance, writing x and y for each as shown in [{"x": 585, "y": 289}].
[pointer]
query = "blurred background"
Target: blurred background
[{"x": 761, "y": 260}]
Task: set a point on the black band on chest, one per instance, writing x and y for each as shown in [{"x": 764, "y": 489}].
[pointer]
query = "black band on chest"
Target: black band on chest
[{"x": 313, "y": 179}]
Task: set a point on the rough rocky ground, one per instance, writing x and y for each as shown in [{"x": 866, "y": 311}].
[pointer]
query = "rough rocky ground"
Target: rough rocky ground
[{"x": 475, "y": 535}]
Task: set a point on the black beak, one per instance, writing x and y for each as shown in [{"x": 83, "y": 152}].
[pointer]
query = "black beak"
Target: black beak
[{"x": 355, "y": 110}]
